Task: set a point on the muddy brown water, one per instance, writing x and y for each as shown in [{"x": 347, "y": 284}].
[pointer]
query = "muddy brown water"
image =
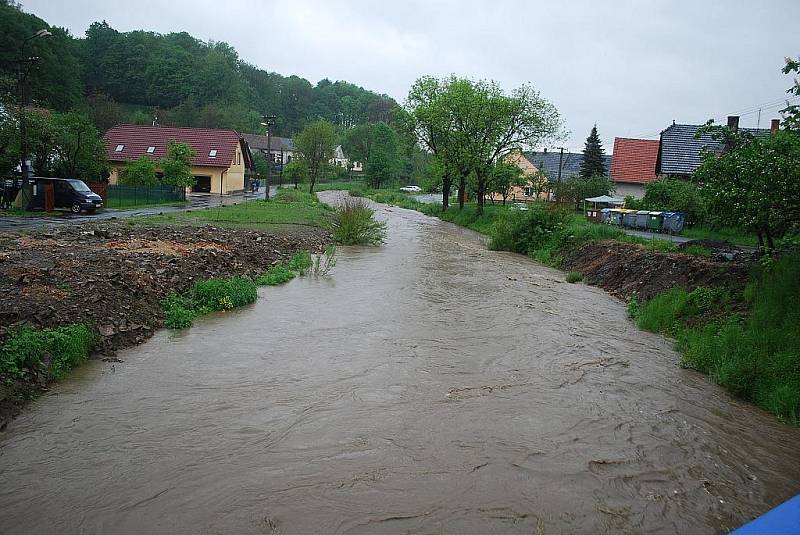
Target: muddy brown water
[{"x": 428, "y": 386}]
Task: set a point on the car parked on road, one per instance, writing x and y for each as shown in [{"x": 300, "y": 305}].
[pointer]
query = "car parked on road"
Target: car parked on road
[
  {"x": 411, "y": 189},
  {"x": 73, "y": 195}
]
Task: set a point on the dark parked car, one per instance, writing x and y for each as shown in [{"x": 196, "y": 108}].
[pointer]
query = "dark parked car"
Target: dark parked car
[{"x": 73, "y": 195}]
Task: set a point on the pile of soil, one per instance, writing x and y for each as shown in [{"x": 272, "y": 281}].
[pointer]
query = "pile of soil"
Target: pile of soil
[
  {"x": 113, "y": 277},
  {"x": 624, "y": 269}
]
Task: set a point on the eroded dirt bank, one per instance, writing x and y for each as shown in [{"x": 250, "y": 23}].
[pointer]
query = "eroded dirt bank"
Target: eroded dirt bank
[
  {"x": 112, "y": 277},
  {"x": 623, "y": 269}
]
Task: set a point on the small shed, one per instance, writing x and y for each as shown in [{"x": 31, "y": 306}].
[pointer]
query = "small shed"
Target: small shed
[{"x": 593, "y": 213}]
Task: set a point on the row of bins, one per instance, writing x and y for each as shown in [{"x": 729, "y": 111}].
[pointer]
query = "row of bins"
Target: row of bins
[{"x": 671, "y": 222}]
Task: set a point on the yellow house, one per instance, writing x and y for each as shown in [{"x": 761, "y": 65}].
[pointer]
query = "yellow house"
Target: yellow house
[
  {"x": 219, "y": 165},
  {"x": 534, "y": 189}
]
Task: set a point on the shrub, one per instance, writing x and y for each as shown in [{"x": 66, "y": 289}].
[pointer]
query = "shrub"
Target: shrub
[
  {"x": 275, "y": 275},
  {"x": 179, "y": 312},
  {"x": 28, "y": 349},
  {"x": 354, "y": 224},
  {"x": 300, "y": 262},
  {"x": 224, "y": 294},
  {"x": 574, "y": 276}
]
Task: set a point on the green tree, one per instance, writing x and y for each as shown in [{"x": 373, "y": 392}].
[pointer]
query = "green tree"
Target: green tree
[
  {"x": 78, "y": 147},
  {"x": 753, "y": 185},
  {"x": 472, "y": 125},
  {"x": 296, "y": 171},
  {"x": 383, "y": 163},
  {"x": 141, "y": 172},
  {"x": 675, "y": 195},
  {"x": 505, "y": 176},
  {"x": 177, "y": 167},
  {"x": 316, "y": 144},
  {"x": 791, "y": 113},
  {"x": 593, "y": 163}
]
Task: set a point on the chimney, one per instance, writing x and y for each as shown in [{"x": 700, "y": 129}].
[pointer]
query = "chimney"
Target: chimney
[
  {"x": 733, "y": 122},
  {"x": 545, "y": 150},
  {"x": 773, "y": 127}
]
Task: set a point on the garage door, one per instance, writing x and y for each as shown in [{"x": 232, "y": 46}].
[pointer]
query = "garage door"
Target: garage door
[{"x": 203, "y": 184}]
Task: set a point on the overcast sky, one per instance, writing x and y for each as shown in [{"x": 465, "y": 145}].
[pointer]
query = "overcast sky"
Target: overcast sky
[{"x": 630, "y": 66}]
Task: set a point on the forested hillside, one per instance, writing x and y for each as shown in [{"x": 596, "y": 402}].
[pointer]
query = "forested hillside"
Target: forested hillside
[{"x": 131, "y": 76}]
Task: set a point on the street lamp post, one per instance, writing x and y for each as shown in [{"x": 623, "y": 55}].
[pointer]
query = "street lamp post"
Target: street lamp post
[
  {"x": 268, "y": 121},
  {"x": 23, "y": 69}
]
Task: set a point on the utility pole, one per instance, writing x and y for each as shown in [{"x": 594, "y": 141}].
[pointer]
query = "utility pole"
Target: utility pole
[
  {"x": 23, "y": 69},
  {"x": 268, "y": 121}
]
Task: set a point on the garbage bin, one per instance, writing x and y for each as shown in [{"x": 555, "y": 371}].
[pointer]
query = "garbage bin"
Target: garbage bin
[
  {"x": 642, "y": 217},
  {"x": 604, "y": 214},
  {"x": 673, "y": 222},
  {"x": 656, "y": 221},
  {"x": 629, "y": 218}
]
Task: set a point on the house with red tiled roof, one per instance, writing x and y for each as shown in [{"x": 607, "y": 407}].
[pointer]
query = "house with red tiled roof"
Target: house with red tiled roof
[
  {"x": 221, "y": 157},
  {"x": 633, "y": 165}
]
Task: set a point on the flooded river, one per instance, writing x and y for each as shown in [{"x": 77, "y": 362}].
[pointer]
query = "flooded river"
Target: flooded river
[{"x": 428, "y": 386}]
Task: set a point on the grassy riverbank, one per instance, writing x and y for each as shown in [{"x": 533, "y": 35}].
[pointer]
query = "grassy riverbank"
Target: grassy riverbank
[
  {"x": 288, "y": 210},
  {"x": 754, "y": 351}
]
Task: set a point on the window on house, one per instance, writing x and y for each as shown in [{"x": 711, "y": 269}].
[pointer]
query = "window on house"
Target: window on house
[
  {"x": 212, "y": 153},
  {"x": 238, "y": 158},
  {"x": 119, "y": 148},
  {"x": 151, "y": 150},
  {"x": 529, "y": 192}
]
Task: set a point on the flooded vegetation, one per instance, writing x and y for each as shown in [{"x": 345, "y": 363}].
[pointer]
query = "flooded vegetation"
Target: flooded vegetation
[{"x": 429, "y": 385}]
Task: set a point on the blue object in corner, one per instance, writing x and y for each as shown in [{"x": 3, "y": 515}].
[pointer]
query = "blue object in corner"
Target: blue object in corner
[{"x": 783, "y": 520}]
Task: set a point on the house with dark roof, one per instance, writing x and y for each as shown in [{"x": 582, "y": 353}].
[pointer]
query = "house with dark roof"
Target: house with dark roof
[
  {"x": 221, "y": 157},
  {"x": 281, "y": 148},
  {"x": 570, "y": 163},
  {"x": 633, "y": 165},
  {"x": 681, "y": 152}
]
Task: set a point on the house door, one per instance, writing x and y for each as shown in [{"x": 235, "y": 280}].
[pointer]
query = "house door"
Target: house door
[{"x": 203, "y": 184}]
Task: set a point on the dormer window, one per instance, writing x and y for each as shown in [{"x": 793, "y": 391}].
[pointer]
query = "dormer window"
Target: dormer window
[
  {"x": 212, "y": 153},
  {"x": 151, "y": 150},
  {"x": 119, "y": 148}
]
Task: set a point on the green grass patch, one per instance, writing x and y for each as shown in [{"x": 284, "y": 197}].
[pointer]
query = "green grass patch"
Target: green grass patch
[
  {"x": 288, "y": 208},
  {"x": 300, "y": 262},
  {"x": 757, "y": 355},
  {"x": 723, "y": 234},
  {"x": 56, "y": 351},
  {"x": 205, "y": 297},
  {"x": 275, "y": 275},
  {"x": 574, "y": 276}
]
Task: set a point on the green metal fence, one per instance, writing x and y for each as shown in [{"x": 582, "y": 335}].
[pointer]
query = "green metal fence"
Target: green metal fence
[{"x": 127, "y": 196}]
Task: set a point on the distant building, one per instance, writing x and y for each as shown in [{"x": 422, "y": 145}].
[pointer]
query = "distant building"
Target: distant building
[
  {"x": 570, "y": 163},
  {"x": 221, "y": 158},
  {"x": 281, "y": 148},
  {"x": 681, "y": 153},
  {"x": 527, "y": 193},
  {"x": 341, "y": 160},
  {"x": 633, "y": 165}
]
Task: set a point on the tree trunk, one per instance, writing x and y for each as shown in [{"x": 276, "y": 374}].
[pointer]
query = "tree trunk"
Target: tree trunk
[
  {"x": 770, "y": 243},
  {"x": 462, "y": 190},
  {"x": 446, "y": 184},
  {"x": 481, "y": 200}
]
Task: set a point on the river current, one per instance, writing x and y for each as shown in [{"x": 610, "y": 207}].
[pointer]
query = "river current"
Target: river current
[{"x": 426, "y": 386}]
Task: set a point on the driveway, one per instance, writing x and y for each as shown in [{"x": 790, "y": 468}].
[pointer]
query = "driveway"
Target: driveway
[{"x": 196, "y": 201}]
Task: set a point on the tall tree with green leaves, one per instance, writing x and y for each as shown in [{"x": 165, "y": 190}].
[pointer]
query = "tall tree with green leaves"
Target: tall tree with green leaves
[
  {"x": 296, "y": 171},
  {"x": 383, "y": 163},
  {"x": 593, "y": 152},
  {"x": 316, "y": 144},
  {"x": 753, "y": 185},
  {"x": 177, "y": 166},
  {"x": 78, "y": 147}
]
